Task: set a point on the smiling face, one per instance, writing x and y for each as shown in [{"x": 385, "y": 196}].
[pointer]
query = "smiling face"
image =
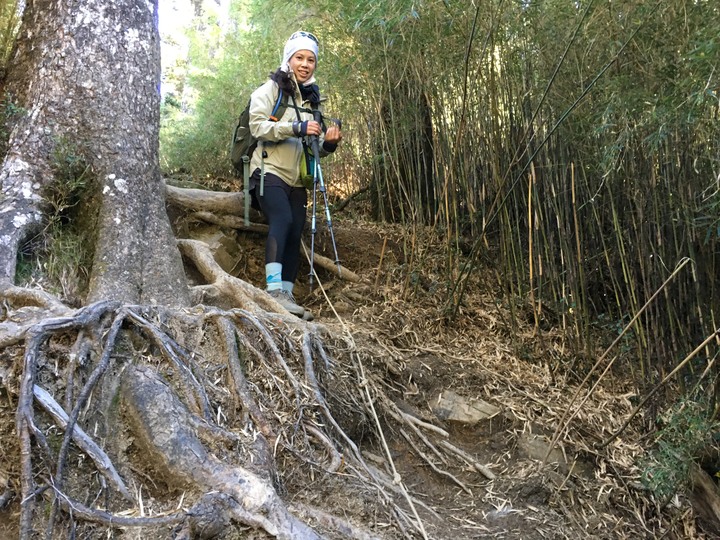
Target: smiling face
[{"x": 302, "y": 63}]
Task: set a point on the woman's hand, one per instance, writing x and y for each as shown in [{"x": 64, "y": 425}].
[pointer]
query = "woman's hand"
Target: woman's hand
[
  {"x": 313, "y": 128},
  {"x": 308, "y": 127},
  {"x": 333, "y": 135}
]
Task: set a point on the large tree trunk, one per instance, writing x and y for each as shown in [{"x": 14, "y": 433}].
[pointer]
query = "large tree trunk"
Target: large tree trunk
[{"x": 87, "y": 72}]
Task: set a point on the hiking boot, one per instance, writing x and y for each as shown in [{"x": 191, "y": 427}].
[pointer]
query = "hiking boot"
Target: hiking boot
[
  {"x": 286, "y": 300},
  {"x": 307, "y": 316}
]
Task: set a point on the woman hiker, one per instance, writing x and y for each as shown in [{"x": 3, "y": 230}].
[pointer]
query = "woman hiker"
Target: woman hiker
[{"x": 280, "y": 162}]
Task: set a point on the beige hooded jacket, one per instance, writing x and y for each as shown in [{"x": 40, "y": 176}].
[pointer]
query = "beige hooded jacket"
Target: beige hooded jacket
[{"x": 283, "y": 149}]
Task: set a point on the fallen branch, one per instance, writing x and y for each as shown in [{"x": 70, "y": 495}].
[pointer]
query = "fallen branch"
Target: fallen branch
[
  {"x": 202, "y": 199},
  {"x": 83, "y": 440},
  {"x": 342, "y": 204},
  {"x": 331, "y": 266},
  {"x": 479, "y": 467}
]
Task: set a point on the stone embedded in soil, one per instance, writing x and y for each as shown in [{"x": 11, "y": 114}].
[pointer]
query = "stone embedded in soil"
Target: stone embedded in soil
[{"x": 452, "y": 407}]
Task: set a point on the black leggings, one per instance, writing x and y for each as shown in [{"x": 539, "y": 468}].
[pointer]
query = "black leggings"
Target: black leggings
[{"x": 284, "y": 207}]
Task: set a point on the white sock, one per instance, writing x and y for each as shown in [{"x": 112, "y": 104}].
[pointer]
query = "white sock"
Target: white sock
[{"x": 273, "y": 276}]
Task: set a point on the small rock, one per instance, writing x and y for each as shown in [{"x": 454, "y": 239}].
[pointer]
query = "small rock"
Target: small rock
[{"x": 450, "y": 406}]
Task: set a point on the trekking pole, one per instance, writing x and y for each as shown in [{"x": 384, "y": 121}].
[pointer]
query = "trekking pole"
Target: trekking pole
[
  {"x": 319, "y": 185},
  {"x": 313, "y": 227}
]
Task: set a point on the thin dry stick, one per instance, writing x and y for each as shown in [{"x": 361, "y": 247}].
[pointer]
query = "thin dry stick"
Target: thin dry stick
[
  {"x": 579, "y": 256},
  {"x": 397, "y": 479},
  {"x": 382, "y": 256},
  {"x": 479, "y": 467},
  {"x": 432, "y": 465},
  {"x": 531, "y": 268},
  {"x": 564, "y": 421},
  {"x": 657, "y": 387},
  {"x": 83, "y": 440}
]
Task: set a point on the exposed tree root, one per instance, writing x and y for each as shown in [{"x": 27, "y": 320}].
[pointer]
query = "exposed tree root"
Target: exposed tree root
[
  {"x": 242, "y": 294},
  {"x": 84, "y": 442},
  {"x": 221, "y": 405},
  {"x": 164, "y": 430}
]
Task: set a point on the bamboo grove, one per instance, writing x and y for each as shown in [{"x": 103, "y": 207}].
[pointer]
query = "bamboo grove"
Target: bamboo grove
[{"x": 574, "y": 143}]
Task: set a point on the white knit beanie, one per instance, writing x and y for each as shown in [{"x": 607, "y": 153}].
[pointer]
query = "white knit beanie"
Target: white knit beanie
[{"x": 300, "y": 41}]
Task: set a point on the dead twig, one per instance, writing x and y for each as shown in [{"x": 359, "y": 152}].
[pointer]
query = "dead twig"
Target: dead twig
[
  {"x": 432, "y": 465},
  {"x": 84, "y": 442},
  {"x": 479, "y": 467}
]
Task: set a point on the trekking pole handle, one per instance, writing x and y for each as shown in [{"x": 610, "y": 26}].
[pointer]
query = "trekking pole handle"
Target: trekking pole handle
[
  {"x": 317, "y": 116},
  {"x": 315, "y": 144}
]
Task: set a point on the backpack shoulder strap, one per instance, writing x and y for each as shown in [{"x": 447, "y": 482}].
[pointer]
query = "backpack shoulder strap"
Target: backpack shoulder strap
[{"x": 280, "y": 106}]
